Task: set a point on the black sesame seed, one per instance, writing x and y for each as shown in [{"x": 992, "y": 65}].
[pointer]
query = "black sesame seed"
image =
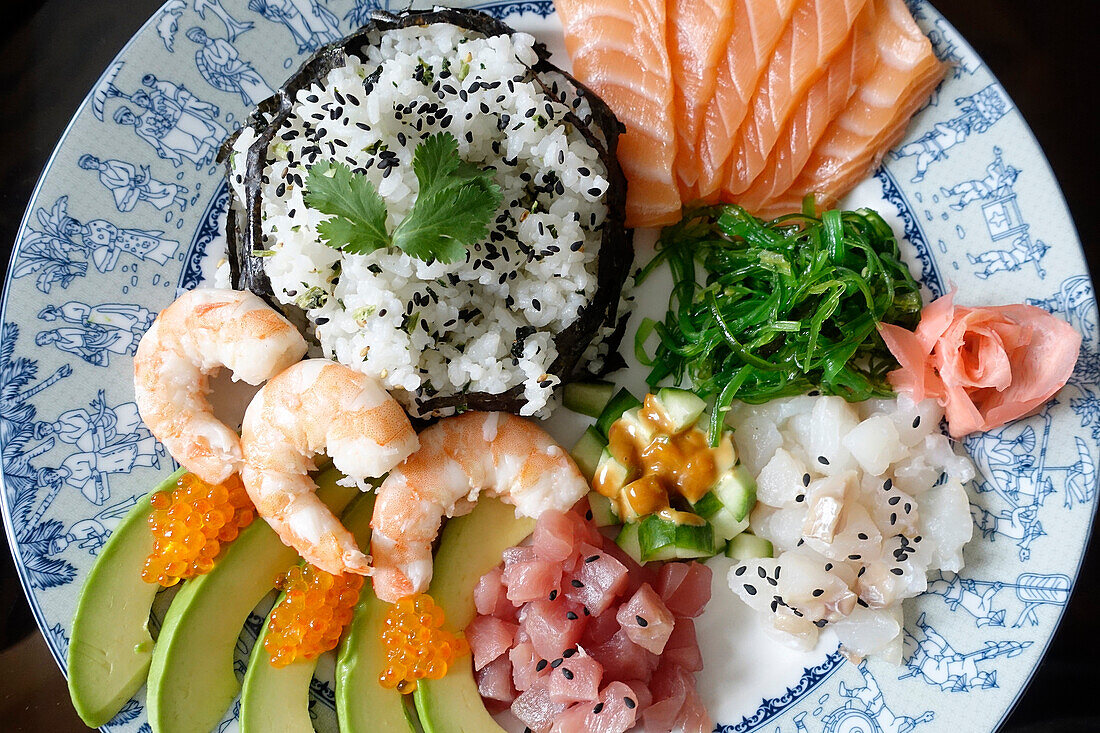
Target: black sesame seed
[
  {"x": 800, "y": 498},
  {"x": 571, "y": 616},
  {"x": 893, "y": 518},
  {"x": 541, "y": 665},
  {"x": 916, "y": 421},
  {"x": 576, "y": 583},
  {"x": 897, "y": 571},
  {"x": 823, "y": 460},
  {"x": 818, "y": 592},
  {"x": 862, "y": 535},
  {"x": 820, "y": 623},
  {"x": 862, "y": 602},
  {"x": 641, "y": 621},
  {"x": 568, "y": 653},
  {"x": 854, "y": 557},
  {"x": 805, "y": 479},
  {"x": 828, "y": 566},
  {"x": 739, "y": 571},
  {"x": 629, "y": 702},
  {"x": 893, "y": 501},
  {"x": 596, "y": 710},
  {"x": 592, "y": 558},
  {"x": 862, "y": 570},
  {"x": 889, "y": 484},
  {"x": 553, "y": 594},
  {"x": 556, "y": 663},
  {"x": 566, "y": 673},
  {"x": 750, "y": 589},
  {"x": 588, "y": 515}
]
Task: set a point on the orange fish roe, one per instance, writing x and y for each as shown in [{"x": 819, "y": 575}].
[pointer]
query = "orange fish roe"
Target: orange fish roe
[
  {"x": 311, "y": 616},
  {"x": 190, "y": 523},
  {"x": 416, "y": 645}
]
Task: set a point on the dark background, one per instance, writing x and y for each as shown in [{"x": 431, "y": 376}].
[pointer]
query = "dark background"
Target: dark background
[{"x": 1044, "y": 52}]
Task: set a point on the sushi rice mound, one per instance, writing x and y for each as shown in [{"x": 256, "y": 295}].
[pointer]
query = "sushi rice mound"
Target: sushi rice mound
[{"x": 428, "y": 328}]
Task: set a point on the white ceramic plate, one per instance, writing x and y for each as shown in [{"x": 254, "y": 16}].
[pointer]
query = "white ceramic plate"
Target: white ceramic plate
[{"x": 101, "y": 251}]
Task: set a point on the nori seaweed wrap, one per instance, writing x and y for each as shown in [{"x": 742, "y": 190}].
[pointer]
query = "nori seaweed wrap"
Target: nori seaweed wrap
[{"x": 615, "y": 255}]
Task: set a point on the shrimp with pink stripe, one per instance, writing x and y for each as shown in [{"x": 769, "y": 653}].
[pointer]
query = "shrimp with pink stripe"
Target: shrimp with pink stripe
[
  {"x": 190, "y": 340},
  {"x": 319, "y": 406},
  {"x": 459, "y": 458}
]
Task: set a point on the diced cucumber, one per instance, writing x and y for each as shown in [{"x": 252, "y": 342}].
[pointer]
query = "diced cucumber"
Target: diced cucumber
[
  {"x": 587, "y": 452},
  {"x": 603, "y": 510},
  {"x": 736, "y": 489},
  {"x": 587, "y": 398},
  {"x": 610, "y": 475},
  {"x": 681, "y": 407},
  {"x": 725, "y": 524},
  {"x": 620, "y": 403},
  {"x": 628, "y": 541},
  {"x": 663, "y": 539},
  {"x": 643, "y": 432},
  {"x": 747, "y": 546}
]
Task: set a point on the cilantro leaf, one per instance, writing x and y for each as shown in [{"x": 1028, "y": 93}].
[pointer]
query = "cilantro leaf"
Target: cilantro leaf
[
  {"x": 456, "y": 202},
  {"x": 452, "y": 210},
  {"x": 358, "y": 223}
]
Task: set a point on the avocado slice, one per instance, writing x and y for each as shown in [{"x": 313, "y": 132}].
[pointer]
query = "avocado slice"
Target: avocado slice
[
  {"x": 191, "y": 678},
  {"x": 361, "y": 703},
  {"x": 277, "y": 698},
  {"x": 110, "y": 645},
  {"x": 471, "y": 546}
]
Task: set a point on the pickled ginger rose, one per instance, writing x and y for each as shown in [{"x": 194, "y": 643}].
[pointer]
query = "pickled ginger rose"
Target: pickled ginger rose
[{"x": 986, "y": 366}]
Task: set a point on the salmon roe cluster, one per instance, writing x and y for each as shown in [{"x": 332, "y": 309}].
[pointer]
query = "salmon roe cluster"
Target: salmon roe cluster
[
  {"x": 190, "y": 523},
  {"x": 310, "y": 618},
  {"x": 417, "y": 647}
]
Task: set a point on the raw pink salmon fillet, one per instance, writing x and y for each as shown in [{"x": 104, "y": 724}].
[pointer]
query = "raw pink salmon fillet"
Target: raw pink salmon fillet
[
  {"x": 757, "y": 27},
  {"x": 875, "y": 119},
  {"x": 818, "y": 29},
  {"x": 620, "y": 50},
  {"x": 698, "y": 36},
  {"x": 826, "y": 99}
]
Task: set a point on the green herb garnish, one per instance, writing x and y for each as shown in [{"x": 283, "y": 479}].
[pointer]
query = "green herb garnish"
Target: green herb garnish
[
  {"x": 784, "y": 307},
  {"x": 453, "y": 208}
]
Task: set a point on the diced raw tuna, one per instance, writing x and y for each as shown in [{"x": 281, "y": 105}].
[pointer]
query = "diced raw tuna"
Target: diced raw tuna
[
  {"x": 597, "y": 580},
  {"x": 554, "y": 536},
  {"x": 576, "y": 679},
  {"x": 585, "y": 530},
  {"x": 642, "y": 696},
  {"x": 636, "y": 574},
  {"x": 524, "y": 661},
  {"x": 682, "y": 647},
  {"x": 535, "y": 709},
  {"x": 553, "y": 626},
  {"x": 622, "y": 659},
  {"x": 490, "y": 596},
  {"x": 489, "y": 638},
  {"x": 494, "y": 680},
  {"x": 670, "y": 686},
  {"x": 684, "y": 587},
  {"x": 599, "y": 629},
  {"x": 693, "y": 715},
  {"x": 611, "y": 714},
  {"x": 531, "y": 580},
  {"x": 646, "y": 619}
]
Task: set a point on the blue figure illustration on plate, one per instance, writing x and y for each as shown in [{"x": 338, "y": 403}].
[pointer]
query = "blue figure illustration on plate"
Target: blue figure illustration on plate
[
  {"x": 130, "y": 184},
  {"x": 359, "y": 15},
  {"x": 864, "y": 710},
  {"x": 168, "y": 22},
  {"x": 932, "y": 659},
  {"x": 59, "y": 249},
  {"x": 94, "y": 332},
  {"x": 978, "y": 597},
  {"x": 174, "y": 122},
  {"x": 977, "y": 113},
  {"x": 1074, "y": 301},
  {"x": 946, "y": 46},
  {"x": 108, "y": 441},
  {"x": 219, "y": 62},
  {"x": 233, "y": 27},
  {"x": 310, "y": 23},
  {"x": 1003, "y": 220}
]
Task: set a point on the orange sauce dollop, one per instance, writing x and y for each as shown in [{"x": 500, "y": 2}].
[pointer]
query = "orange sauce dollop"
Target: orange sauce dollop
[
  {"x": 190, "y": 523},
  {"x": 662, "y": 463}
]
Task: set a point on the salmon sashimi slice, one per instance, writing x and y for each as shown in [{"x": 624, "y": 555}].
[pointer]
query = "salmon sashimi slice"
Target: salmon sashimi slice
[
  {"x": 818, "y": 29},
  {"x": 757, "y": 27},
  {"x": 619, "y": 49},
  {"x": 826, "y": 99},
  {"x": 699, "y": 34},
  {"x": 875, "y": 119}
]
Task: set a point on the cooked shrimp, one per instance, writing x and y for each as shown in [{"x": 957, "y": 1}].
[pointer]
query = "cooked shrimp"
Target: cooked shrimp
[
  {"x": 316, "y": 405},
  {"x": 191, "y": 339},
  {"x": 460, "y": 457}
]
